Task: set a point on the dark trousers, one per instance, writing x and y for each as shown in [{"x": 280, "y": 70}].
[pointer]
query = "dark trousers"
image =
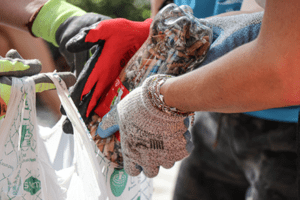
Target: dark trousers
[{"x": 254, "y": 159}]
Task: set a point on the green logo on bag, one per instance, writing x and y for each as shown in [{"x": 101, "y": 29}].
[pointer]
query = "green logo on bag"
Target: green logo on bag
[
  {"x": 118, "y": 182},
  {"x": 32, "y": 185},
  {"x": 25, "y": 136}
]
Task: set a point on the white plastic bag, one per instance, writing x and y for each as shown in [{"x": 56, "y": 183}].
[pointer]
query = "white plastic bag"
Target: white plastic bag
[
  {"x": 117, "y": 184},
  {"x": 25, "y": 167},
  {"x": 83, "y": 180},
  {"x": 43, "y": 163},
  {"x": 19, "y": 168}
]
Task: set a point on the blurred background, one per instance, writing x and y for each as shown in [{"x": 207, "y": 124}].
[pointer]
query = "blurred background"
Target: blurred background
[{"x": 136, "y": 10}]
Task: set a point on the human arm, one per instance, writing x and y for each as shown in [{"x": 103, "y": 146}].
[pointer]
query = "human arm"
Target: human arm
[
  {"x": 155, "y": 5},
  {"x": 53, "y": 20},
  {"x": 18, "y": 13},
  {"x": 259, "y": 75}
]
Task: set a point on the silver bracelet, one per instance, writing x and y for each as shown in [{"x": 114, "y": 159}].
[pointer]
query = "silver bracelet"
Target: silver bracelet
[{"x": 157, "y": 99}]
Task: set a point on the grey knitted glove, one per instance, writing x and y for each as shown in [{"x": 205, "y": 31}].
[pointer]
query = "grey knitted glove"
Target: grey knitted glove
[{"x": 150, "y": 138}]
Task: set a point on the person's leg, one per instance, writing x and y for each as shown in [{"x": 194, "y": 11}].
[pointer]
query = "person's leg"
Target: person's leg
[
  {"x": 209, "y": 173},
  {"x": 266, "y": 150}
]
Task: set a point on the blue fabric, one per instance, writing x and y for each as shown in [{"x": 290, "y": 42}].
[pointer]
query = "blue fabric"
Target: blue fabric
[
  {"x": 222, "y": 6},
  {"x": 287, "y": 114},
  {"x": 207, "y": 8},
  {"x": 201, "y": 8}
]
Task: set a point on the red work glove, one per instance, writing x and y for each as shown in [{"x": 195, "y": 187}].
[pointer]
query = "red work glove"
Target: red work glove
[{"x": 122, "y": 39}]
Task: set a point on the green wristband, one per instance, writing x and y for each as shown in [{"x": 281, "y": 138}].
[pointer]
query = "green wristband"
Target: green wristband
[{"x": 51, "y": 16}]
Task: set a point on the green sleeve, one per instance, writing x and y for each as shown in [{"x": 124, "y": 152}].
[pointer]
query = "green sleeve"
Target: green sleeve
[{"x": 51, "y": 16}]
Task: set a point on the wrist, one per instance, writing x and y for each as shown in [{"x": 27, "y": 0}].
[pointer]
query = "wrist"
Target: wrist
[
  {"x": 51, "y": 16},
  {"x": 164, "y": 90},
  {"x": 157, "y": 97}
]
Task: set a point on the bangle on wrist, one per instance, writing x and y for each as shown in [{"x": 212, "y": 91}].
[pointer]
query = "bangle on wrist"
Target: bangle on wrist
[{"x": 157, "y": 99}]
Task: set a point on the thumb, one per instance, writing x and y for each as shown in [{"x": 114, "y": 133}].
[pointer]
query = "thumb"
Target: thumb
[
  {"x": 78, "y": 42},
  {"x": 109, "y": 124},
  {"x": 131, "y": 168}
]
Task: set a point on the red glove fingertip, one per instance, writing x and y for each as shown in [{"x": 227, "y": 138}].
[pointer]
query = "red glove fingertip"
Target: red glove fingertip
[{"x": 148, "y": 21}]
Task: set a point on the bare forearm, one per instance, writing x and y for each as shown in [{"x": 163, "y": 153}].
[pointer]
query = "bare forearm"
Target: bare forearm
[
  {"x": 155, "y": 5},
  {"x": 259, "y": 75},
  {"x": 237, "y": 82},
  {"x": 18, "y": 12}
]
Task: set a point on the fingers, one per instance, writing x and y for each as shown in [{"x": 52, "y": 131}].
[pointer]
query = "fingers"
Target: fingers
[
  {"x": 131, "y": 167},
  {"x": 68, "y": 78},
  {"x": 81, "y": 106},
  {"x": 77, "y": 91},
  {"x": 13, "y": 54},
  {"x": 168, "y": 164},
  {"x": 148, "y": 21},
  {"x": 150, "y": 171},
  {"x": 44, "y": 83},
  {"x": 35, "y": 65},
  {"x": 78, "y": 42}
]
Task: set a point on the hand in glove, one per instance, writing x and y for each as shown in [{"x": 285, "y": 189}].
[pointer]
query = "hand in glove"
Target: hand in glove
[
  {"x": 122, "y": 39},
  {"x": 13, "y": 65},
  {"x": 58, "y": 21},
  {"x": 150, "y": 137},
  {"x": 69, "y": 29}
]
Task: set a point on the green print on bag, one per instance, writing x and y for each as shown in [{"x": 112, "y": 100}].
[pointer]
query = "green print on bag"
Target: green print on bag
[
  {"x": 27, "y": 139},
  {"x": 118, "y": 182},
  {"x": 32, "y": 185},
  {"x": 26, "y": 136}
]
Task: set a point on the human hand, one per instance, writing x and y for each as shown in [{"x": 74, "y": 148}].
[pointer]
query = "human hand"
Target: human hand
[
  {"x": 122, "y": 39},
  {"x": 69, "y": 29},
  {"x": 56, "y": 22},
  {"x": 150, "y": 137},
  {"x": 13, "y": 65}
]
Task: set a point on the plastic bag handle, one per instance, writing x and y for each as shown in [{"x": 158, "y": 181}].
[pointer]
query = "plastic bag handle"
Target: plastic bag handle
[{"x": 82, "y": 134}]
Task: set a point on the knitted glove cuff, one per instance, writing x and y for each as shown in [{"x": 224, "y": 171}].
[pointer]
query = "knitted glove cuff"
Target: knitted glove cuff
[
  {"x": 46, "y": 20},
  {"x": 151, "y": 95}
]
